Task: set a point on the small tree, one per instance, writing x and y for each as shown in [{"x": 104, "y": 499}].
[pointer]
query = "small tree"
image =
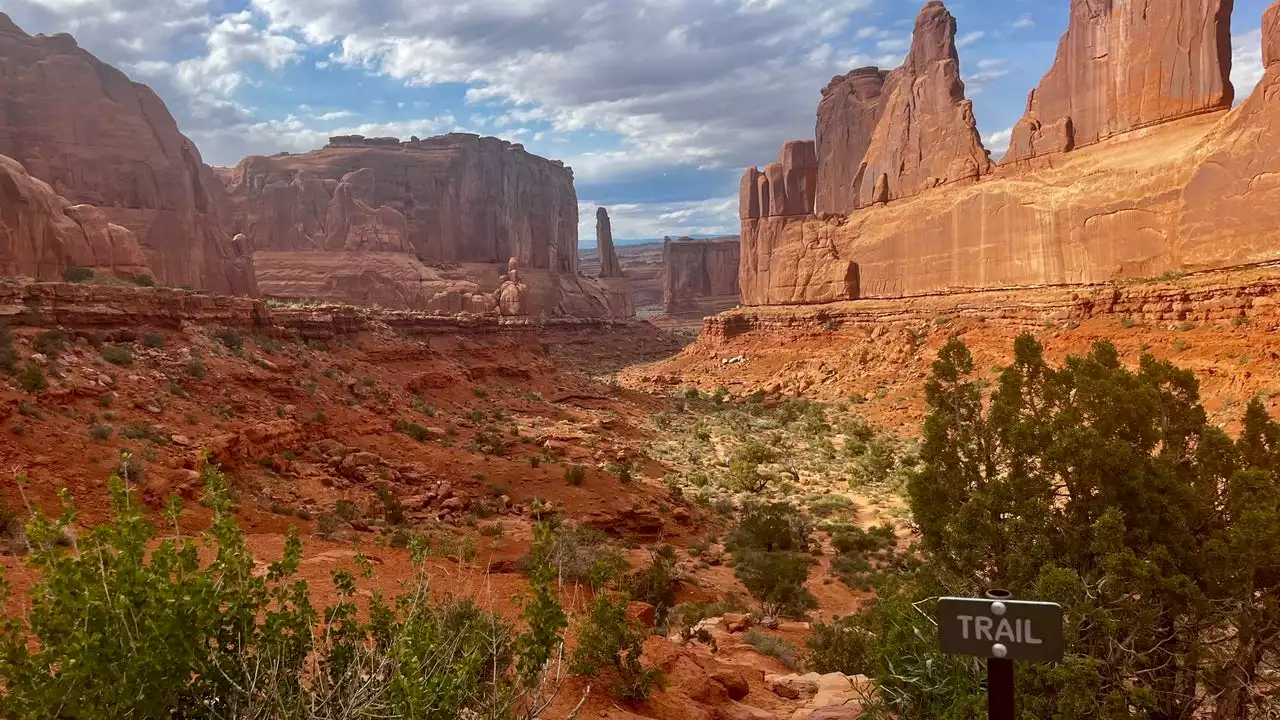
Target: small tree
[{"x": 612, "y": 641}]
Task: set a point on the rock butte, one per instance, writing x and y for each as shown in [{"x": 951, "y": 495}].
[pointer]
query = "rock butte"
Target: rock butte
[
  {"x": 701, "y": 276},
  {"x": 97, "y": 138},
  {"x": 1171, "y": 183}
]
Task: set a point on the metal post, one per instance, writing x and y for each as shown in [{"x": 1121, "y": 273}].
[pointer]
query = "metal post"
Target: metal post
[{"x": 1000, "y": 704}]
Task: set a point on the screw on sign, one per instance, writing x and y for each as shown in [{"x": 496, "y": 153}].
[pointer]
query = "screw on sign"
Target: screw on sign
[{"x": 1002, "y": 630}]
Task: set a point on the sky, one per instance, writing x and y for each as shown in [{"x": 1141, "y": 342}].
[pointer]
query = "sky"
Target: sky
[{"x": 657, "y": 105}]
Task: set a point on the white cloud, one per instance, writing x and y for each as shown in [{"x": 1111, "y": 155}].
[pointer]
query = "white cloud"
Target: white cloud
[
  {"x": 988, "y": 70},
  {"x": 970, "y": 38},
  {"x": 715, "y": 84},
  {"x": 1246, "y": 62},
  {"x": 1024, "y": 21},
  {"x": 715, "y": 216},
  {"x": 998, "y": 142}
]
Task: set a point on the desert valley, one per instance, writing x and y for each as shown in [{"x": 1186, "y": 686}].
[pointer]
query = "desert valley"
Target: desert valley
[{"x": 362, "y": 432}]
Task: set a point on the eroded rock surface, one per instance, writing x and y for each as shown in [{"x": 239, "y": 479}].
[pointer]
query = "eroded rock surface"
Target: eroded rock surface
[
  {"x": 851, "y": 107},
  {"x": 1122, "y": 66},
  {"x": 784, "y": 188},
  {"x": 97, "y": 138},
  {"x": 701, "y": 276},
  {"x": 42, "y": 233},
  {"x": 927, "y": 136},
  {"x": 609, "y": 267}
]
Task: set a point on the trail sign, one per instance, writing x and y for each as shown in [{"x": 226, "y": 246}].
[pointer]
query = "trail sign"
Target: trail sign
[{"x": 1001, "y": 629}]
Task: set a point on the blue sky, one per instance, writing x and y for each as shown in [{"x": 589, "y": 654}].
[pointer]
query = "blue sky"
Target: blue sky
[{"x": 658, "y": 105}]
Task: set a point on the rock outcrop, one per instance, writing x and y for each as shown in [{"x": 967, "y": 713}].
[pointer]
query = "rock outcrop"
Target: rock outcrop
[
  {"x": 701, "y": 276},
  {"x": 1271, "y": 36},
  {"x": 1122, "y": 66},
  {"x": 463, "y": 198},
  {"x": 1192, "y": 193},
  {"x": 786, "y": 188},
  {"x": 97, "y": 138},
  {"x": 609, "y": 267},
  {"x": 851, "y": 108},
  {"x": 927, "y": 136},
  {"x": 42, "y": 233}
]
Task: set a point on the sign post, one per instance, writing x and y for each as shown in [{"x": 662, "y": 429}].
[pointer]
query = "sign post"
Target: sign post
[{"x": 1001, "y": 630}]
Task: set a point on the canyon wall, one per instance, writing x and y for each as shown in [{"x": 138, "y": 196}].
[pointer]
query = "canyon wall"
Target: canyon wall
[
  {"x": 851, "y": 107},
  {"x": 700, "y": 276},
  {"x": 1122, "y": 66},
  {"x": 97, "y": 138},
  {"x": 1195, "y": 192}
]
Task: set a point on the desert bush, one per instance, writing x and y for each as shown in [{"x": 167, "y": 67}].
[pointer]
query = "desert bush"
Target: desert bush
[
  {"x": 773, "y": 646},
  {"x": 656, "y": 583},
  {"x": 776, "y": 580},
  {"x": 31, "y": 378},
  {"x": 744, "y": 467},
  {"x": 117, "y": 355},
  {"x": 770, "y": 527},
  {"x": 231, "y": 339},
  {"x": 50, "y": 343},
  {"x": 74, "y": 274},
  {"x": 842, "y": 646},
  {"x": 610, "y": 641},
  {"x": 136, "y": 625},
  {"x": 577, "y": 554},
  {"x": 100, "y": 432},
  {"x": 575, "y": 475},
  {"x": 144, "y": 281},
  {"x": 155, "y": 341},
  {"x": 195, "y": 368},
  {"x": 392, "y": 509},
  {"x": 8, "y": 353},
  {"x": 413, "y": 430}
]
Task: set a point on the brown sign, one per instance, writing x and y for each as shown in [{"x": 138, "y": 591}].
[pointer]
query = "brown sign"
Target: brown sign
[{"x": 1013, "y": 629}]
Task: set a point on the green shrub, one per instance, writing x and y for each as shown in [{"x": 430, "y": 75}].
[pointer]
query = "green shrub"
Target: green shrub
[
  {"x": 624, "y": 474},
  {"x": 133, "y": 625},
  {"x": 117, "y": 355},
  {"x": 744, "y": 467},
  {"x": 100, "y": 432},
  {"x": 8, "y": 353},
  {"x": 843, "y": 646},
  {"x": 73, "y": 274},
  {"x": 154, "y": 341},
  {"x": 575, "y": 475},
  {"x": 577, "y": 554},
  {"x": 144, "y": 281},
  {"x": 145, "y": 432},
  {"x": 770, "y": 527},
  {"x": 31, "y": 378},
  {"x": 776, "y": 580},
  {"x": 231, "y": 339},
  {"x": 611, "y": 641},
  {"x": 195, "y": 368},
  {"x": 413, "y": 430},
  {"x": 50, "y": 342},
  {"x": 773, "y": 646},
  {"x": 393, "y": 511},
  {"x": 656, "y": 583}
]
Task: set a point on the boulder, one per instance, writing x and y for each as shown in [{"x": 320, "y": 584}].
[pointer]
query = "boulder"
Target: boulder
[
  {"x": 739, "y": 711},
  {"x": 737, "y": 622},
  {"x": 851, "y": 107},
  {"x": 99, "y": 139},
  {"x": 1119, "y": 68},
  {"x": 733, "y": 681},
  {"x": 927, "y": 136}
]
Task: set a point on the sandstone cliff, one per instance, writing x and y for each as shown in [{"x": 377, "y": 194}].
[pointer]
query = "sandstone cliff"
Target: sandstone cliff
[
  {"x": 463, "y": 198},
  {"x": 95, "y": 137},
  {"x": 927, "y": 136},
  {"x": 701, "y": 276},
  {"x": 851, "y": 107},
  {"x": 42, "y": 233},
  {"x": 609, "y": 267},
  {"x": 1192, "y": 193},
  {"x": 1125, "y": 65}
]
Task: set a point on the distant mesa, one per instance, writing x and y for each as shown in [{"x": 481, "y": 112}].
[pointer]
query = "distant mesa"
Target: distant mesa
[{"x": 1128, "y": 163}]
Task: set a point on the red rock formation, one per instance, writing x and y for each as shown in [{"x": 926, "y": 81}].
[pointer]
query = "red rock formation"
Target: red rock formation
[
  {"x": 464, "y": 198},
  {"x": 1271, "y": 36},
  {"x": 785, "y": 188},
  {"x": 1127, "y": 65},
  {"x": 96, "y": 137},
  {"x": 927, "y": 136},
  {"x": 701, "y": 276},
  {"x": 42, "y": 233},
  {"x": 609, "y": 267},
  {"x": 851, "y": 107}
]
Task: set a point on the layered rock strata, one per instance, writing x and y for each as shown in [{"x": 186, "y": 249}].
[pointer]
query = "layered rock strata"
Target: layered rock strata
[
  {"x": 851, "y": 108},
  {"x": 1196, "y": 192},
  {"x": 1126, "y": 65},
  {"x": 700, "y": 276},
  {"x": 97, "y": 138}
]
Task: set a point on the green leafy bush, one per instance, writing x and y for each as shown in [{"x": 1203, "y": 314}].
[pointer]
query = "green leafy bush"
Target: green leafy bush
[
  {"x": 154, "y": 341},
  {"x": 744, "y": 467},
  {"x": 135, "y": 625},
  {"x": 144, "y": 281},
  {"x": 73, "y": 274},
  {"x": 611, "y": 642},
  {"x": 31, "y": 378},
  {"x": 100, "y": 432},
  {"x": 769, "y": 527},
  {"x": 231, "y": 339},
  {"x": 50, "y": 342},
  {"x": 577, "y": 554},
  {"x": 117, "y": 355},
  {"x": 575, "y": 475},
  {"x": 195, "y": 368},
  {"x": 656, "y": 583},
  {"x": 776, "y": 580},
  {"x": 413, "y": 430},
  {"x": 773, "y": 646}
]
